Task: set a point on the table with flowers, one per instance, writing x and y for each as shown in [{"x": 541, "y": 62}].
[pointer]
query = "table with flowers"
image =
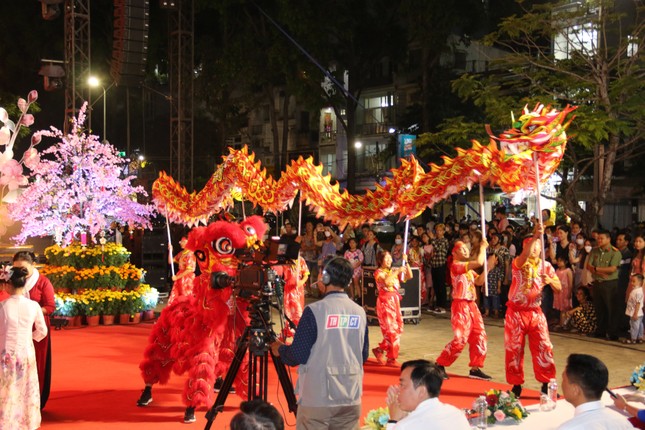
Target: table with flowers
[{"x": 563, "y": 412}]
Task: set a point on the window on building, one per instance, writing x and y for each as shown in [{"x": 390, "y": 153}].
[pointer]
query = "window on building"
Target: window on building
[
  {"x": 632, "y": 46},
  {"x": 460, "y": 60},
  {"x": 581, "y": 38},
  {"x": 377, "y": 113},
  {"x": 328, "y": 161}
]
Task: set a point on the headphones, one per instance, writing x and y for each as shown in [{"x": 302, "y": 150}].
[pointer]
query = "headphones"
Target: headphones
[{"x": 326, "y": 278}]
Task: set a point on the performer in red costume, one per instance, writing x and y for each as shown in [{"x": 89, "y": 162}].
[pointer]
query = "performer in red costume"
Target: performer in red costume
[
  {"x": 466, "y": 320},
  {"x": 524, "y": 315},
  {"x": 388, "y": 306},
  {"x": 39, "y": 289},
  {"x": 189, "y": 335},
  {"x": 295, "y": 277},
  {"x": 185, "y": 276}
]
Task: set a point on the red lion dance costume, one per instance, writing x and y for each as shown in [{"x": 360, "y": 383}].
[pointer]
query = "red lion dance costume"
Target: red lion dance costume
[
  {"x": 524, "y": 316},
  {"x": 196, "y": 334}
]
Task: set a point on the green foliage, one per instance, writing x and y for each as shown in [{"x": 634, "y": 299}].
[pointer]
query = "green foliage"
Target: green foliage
[{"x": 605, "y": 84}]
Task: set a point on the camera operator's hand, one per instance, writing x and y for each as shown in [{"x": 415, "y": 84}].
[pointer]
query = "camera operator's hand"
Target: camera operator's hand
[{"x": 275, "y": 347}]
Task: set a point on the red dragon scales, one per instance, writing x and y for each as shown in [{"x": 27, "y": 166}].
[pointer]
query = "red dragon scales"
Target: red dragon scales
[{"x": 508, "y": 161}]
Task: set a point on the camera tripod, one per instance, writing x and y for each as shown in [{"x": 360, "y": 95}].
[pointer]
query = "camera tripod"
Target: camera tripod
[{"x": 255, "y": 340}]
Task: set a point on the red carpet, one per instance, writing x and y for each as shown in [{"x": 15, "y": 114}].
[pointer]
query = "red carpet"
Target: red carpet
[{"x": 96, "y": 383}]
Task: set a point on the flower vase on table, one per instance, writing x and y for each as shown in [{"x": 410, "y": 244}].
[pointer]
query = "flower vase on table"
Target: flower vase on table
[
  {"x": 377, "y": 419},
  {"x": 503, "y": 408}
]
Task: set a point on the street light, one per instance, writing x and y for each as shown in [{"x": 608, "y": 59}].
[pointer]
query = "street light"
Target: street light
[{"x": 94, "y": 82}]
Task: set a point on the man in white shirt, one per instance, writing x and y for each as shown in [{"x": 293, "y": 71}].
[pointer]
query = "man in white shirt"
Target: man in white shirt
[
  {"x": 414, "y": 405},
  {"x": 583, "y": 382}
]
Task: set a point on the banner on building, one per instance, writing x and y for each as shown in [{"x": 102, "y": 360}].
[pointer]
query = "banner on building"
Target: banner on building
[{"x": 407, "y": 145}]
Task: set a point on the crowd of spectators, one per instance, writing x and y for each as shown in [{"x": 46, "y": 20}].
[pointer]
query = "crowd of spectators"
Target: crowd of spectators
[{"x": 595, "y": 267}]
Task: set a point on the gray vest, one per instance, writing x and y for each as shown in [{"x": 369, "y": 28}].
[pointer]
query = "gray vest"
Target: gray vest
[{"x": 333, "y": 375}]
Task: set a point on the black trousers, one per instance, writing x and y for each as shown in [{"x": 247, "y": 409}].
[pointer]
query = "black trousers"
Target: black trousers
[
  {"x": 605, "y": 294},
  {"x": 439, "y": 285}
]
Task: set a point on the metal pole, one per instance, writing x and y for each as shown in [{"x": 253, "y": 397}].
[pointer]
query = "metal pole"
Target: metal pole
[
  {"x": 538, "y": 204},
  {"x": 172, "y": 266},
  {"x": 104, "y": 115},
  {"x": 482, "y": 215},
  {"x": 405, "y": 236},
  {"x": 300, "y": 215}
]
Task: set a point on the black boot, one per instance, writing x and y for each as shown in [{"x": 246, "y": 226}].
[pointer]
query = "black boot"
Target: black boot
[
  {"x": 517, "y": 390},
  {"x": 189, "y": 415},
  {"x": 146, "y": 397}
]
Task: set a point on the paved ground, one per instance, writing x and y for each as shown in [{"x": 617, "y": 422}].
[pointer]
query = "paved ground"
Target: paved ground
[{"x": 427, "y": 339}]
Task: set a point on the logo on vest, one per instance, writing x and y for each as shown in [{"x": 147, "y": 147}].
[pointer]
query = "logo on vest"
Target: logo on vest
[{"x": 335, "y": 321}]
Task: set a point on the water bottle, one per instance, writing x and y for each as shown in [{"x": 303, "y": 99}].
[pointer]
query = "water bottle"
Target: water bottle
[
  {"x": 481, "y": 406},
  {"x": 553, "y": 392}
]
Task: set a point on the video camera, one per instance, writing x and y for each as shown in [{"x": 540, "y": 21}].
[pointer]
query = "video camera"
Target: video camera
[{"x": 255, "y": 275}]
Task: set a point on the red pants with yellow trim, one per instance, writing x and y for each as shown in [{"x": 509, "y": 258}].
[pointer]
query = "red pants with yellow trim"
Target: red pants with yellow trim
[
  {"x": 388, "y": 311},
  {"x": 531, "y": 323},
  {"x": 467, "y": 326}
]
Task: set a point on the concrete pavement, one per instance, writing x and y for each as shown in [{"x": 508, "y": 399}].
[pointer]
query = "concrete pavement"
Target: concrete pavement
[{"x": 427, "y": 339}]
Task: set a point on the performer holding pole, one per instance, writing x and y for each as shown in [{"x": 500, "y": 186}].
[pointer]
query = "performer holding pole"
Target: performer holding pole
[
  {"x": 524, "y": 316},
  {"x": 466, "y": 319},
  {"x": 388, "y": 306},
  {"x": 183, "y": 280}
]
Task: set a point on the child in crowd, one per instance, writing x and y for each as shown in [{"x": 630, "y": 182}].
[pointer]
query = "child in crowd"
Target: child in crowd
[
  {"x": 397, "y": 251},
  {"x": 355, "y": 257},
  {"x": 562, "y": 299},
  {"x": 495, "y": 276},
  {"x": 634, "y": 309},
  {"x": 415, "y": 258}
]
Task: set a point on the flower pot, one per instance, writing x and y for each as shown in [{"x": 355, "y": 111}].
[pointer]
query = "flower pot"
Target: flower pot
[
  {"x": 70, "y": 321},
  {"x": 148, "y": 315},
  {"x": 77, "y": 321},
  {"x": 108, "y": 319},
  {"x": 92, "y": 320},
  {"x": 130, "y": 319}
]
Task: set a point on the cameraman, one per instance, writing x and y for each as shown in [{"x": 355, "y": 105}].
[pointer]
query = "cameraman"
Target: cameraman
[{"x": 330, "y": 346}]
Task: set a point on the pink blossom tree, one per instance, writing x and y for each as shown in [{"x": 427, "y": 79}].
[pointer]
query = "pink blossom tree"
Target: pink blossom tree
[
  {"x": 11, "y": 171},
  {"x": 78, "y": 187}
]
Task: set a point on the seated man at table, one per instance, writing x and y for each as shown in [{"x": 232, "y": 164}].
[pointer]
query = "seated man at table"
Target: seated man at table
[
  {"x": 583, "y": 381},
  {"x": 414, "y": 403}
]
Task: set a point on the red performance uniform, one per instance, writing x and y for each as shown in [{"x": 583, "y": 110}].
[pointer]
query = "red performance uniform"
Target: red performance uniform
[
  {"x": 388, "y": 309},
  {"x": 183, "y": 286},
  {"x": 295, "y": 277},
  {"x": 466, "y": 320},
  {"x": 524, "y": 317}
]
